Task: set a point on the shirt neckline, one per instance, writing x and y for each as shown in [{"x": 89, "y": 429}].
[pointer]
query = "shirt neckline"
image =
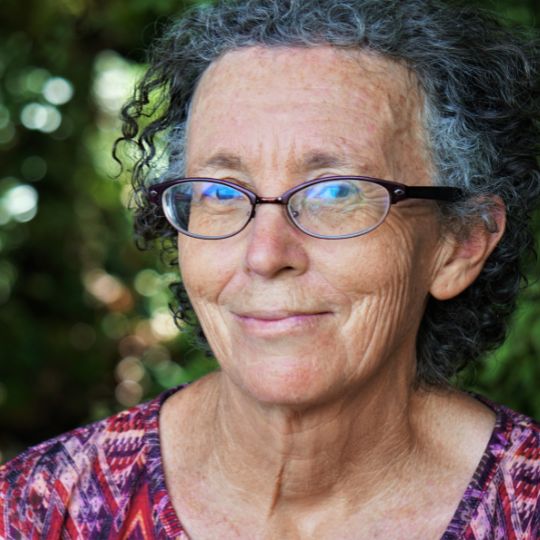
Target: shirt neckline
[
  {"x": 484, "y": 472},
  {"x": 464, "y": 513}
]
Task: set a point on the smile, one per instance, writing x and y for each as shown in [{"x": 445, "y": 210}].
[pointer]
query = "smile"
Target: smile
[{"x": 271, "y": 323}]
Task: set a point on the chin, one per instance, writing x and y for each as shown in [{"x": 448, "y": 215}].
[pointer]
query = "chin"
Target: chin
[{"x": 285, "y": 382}]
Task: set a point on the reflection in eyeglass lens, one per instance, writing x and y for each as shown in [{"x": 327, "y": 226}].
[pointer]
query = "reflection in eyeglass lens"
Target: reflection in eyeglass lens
[
  {"x": 216, "y": 209},
  {"x": 341, "y": 207}
]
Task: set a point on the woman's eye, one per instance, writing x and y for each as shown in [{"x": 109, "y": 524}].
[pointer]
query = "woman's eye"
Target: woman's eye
[
  {"x": 331, "y": 192},
  {"x": 220, "y": 193}
]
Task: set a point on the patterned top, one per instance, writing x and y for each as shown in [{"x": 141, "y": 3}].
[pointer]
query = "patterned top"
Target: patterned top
[{"x": 105, "y": 481}]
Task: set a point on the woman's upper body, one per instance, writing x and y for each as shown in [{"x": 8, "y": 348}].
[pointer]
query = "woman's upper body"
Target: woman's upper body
[
  {"x": 107, "y": 481},
  {"x": 336, "y": 294}
]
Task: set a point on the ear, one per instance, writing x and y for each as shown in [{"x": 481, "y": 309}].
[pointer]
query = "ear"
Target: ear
[{"x": 462, "y": 257}]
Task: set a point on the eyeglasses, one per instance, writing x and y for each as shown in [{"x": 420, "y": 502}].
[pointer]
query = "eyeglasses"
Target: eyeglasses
[{"x": 331, "y": 207}]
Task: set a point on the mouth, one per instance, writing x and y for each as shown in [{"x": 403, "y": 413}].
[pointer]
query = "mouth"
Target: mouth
[{"x": 268, "y": 323}]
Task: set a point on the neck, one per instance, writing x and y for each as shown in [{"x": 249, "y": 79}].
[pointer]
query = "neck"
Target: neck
[{"x": 345, "y": 446}]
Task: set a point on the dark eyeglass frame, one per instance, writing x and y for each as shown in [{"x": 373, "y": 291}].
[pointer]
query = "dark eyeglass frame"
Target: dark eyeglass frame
[{"x": 398, "y": 192}]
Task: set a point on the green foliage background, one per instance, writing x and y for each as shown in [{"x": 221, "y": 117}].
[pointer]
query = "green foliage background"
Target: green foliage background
[{"x": 84, "y": 323}]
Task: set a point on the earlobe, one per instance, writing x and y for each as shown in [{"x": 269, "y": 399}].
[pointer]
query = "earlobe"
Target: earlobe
[{"x": 463, "y": 257}]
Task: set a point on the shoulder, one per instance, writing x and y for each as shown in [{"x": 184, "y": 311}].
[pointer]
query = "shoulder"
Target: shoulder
[
  {"x": 509, "y": 478},
  {"x": 516, "y": 441},
  {"x": 94, "y": 464}
]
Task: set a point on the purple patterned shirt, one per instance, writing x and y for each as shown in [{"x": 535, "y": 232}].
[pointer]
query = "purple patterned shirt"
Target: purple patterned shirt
[{"x": 105, "y": 481}]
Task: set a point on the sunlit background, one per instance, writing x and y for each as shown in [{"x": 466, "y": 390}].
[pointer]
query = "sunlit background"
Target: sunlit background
[{"x": 85, "y": 327}]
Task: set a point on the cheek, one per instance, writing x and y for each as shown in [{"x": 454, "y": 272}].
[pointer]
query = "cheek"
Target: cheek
[
  {"x": 385, "y": 279},
  {"x": 206, "y": 270},
  {"x": 368, "y": 264},
  {"x": 205, "y": 266}
]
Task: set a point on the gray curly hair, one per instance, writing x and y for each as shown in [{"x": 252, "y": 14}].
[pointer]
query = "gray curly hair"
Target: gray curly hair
[{"x": 481, "y": 89}]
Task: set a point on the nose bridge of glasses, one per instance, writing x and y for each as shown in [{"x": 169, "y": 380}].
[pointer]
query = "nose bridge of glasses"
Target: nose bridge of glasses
[
  {"x": 278, "y": 201},
  {"x": 266, "y": 200},
  {"x": 269, "y": 200}
]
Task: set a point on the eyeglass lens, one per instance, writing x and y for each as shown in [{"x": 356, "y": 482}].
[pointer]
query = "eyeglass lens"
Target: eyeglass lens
[{"x": 334, "y": 208}]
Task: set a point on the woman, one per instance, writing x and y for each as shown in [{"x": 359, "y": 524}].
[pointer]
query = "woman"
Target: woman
[{"x": 348, "y": 182}]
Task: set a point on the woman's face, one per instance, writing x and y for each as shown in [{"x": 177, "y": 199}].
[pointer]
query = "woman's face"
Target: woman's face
[{"x": 293, "y": 319}]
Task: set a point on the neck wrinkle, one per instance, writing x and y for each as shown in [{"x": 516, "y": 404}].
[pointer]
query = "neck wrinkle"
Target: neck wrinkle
[{"x": 302, "y": 458}]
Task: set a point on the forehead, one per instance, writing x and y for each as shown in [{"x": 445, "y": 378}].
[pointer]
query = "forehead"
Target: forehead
[
  {"x": 306, "y": 95},
  {"x": 315, "y": 68}
]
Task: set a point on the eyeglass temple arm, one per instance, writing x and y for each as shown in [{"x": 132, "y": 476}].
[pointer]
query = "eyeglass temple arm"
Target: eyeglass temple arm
[{"x": 439, "y": 193}]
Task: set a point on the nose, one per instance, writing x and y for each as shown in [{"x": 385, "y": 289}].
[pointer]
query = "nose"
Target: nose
[{"x": 274, "y": 245}]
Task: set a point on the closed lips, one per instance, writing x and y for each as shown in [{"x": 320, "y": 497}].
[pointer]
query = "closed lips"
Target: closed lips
[{"x": 278, "y": 315}]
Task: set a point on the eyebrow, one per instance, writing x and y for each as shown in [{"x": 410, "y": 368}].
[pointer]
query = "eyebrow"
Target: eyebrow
[
  {"x": 224, "y": 160},
  {"x": 312, "y": 160},
  {"x": 317, "y": 159}
]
